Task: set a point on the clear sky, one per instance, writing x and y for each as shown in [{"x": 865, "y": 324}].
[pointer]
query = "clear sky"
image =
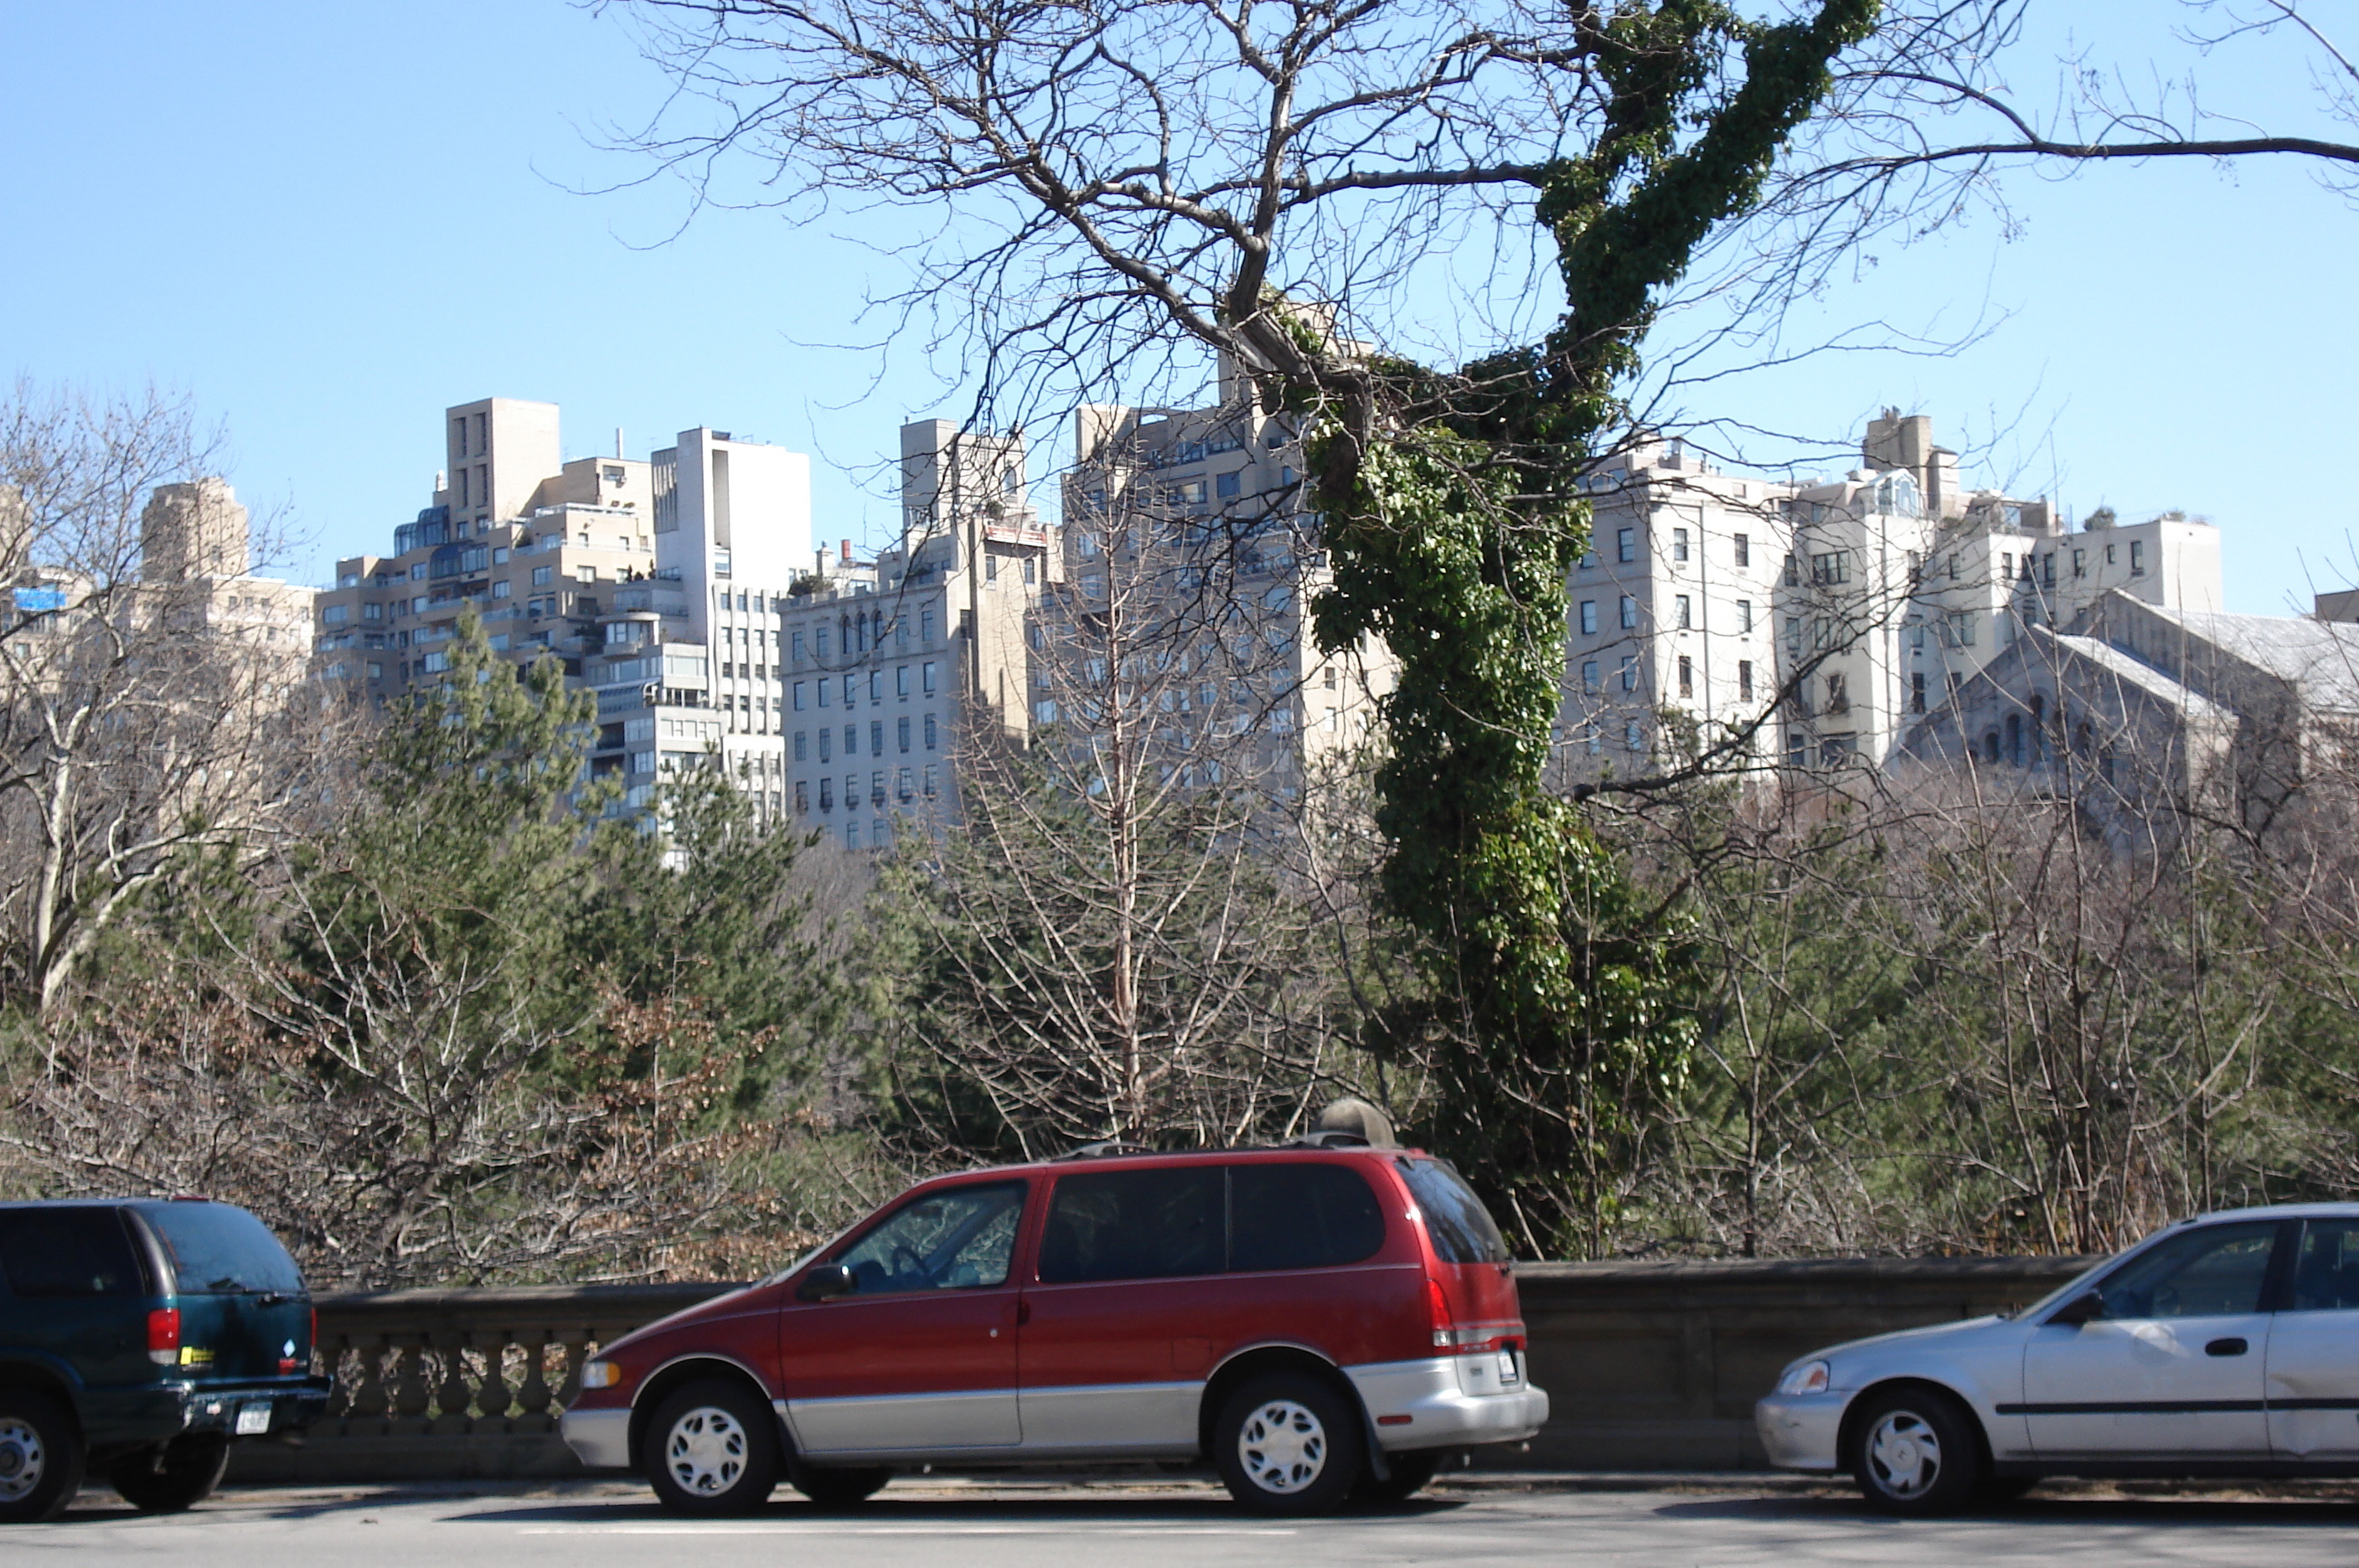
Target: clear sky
[{"x": 327, "y": 221}]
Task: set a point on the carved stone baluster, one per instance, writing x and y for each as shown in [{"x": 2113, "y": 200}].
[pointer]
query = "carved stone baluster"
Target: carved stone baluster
[
  {"x": 369, "y": 1398},
  {"x": 411, "y": 1396},
  {"x": 533, "y": 1396},
  {"x": 493, "y": 1399},
  {"x": 577, "y": 1351},
  {"x": 330, "y": 1355},
  {"x": 453, "y": 1396}
]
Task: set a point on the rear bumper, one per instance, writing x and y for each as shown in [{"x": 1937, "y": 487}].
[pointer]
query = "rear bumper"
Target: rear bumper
[
  {"x": 600, "y": 1439},
  {"x": 1446, "y": 1401},
  {"x": 162, "y": 1410}
]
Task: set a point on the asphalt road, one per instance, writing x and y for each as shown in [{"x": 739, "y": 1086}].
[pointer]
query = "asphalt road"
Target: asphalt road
[{"x": 923, "y": 1525}]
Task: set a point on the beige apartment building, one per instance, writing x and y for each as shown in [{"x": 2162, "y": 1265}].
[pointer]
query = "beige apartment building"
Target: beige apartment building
[
  {"x": 1817, "y": 623},
  {"x": 1188, "y": 552},
  {"x": 888, "y": 662},
  {"x": 655, "y": 582}
]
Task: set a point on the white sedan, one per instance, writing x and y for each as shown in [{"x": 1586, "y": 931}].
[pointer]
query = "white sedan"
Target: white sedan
[{"x": 2225, "y": 1345}]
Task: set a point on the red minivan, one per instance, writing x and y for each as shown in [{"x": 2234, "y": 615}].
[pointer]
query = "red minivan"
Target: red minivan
[{"x": 1319, "y": 1321}]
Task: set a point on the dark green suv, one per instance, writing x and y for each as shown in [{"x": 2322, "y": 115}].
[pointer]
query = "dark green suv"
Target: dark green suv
[{"x": 142, "y": 1338}]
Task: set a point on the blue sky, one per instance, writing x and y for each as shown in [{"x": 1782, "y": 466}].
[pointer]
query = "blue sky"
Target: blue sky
[{"x": 327, "y": 221}]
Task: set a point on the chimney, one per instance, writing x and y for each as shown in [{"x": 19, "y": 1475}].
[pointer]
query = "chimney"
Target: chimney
[
  {"x": 618, "y": 441},
  {"x": 847, "y": 552}
]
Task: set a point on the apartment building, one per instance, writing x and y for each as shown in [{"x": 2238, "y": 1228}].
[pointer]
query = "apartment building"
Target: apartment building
[
  {"x": 887, "y": 661},
  {"x": 1189, "y": 570},
  {"x": 1819, "y": 622},
  {"x": 655, "y": 582}
]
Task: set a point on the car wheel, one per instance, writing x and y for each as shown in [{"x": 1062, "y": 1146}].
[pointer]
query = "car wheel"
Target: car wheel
[
  {"x": 1916, "y": 1452},
  {"x": 711, "y": 1448},
  {"x": 1287, "y": 1444},
  {"x": 841, "y": 1486},
  {"x": 1410, "y": 1473},
  {"x": 181, "y": 1474},
  {"x": 40, "y": 1457}
]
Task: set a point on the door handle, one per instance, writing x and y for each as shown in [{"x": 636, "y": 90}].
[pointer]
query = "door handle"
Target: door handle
[
  {"x": 1023, "y": 1313},
  {"x": 2225, "y": 1348}
]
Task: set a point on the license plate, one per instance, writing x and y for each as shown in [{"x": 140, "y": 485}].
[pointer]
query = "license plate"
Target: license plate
[
  {"x": 254, "y": 1419},
  {"x": 1509, "y": 1371}
]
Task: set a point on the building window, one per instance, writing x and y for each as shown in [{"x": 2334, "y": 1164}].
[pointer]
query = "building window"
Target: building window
[
  {"x": 1629, "y": 612},
  {"x": 1625, "y": 545},
  {"x": 851, "y": 694},
  {"x": 851, "y": 740},
  {"x": 1793, "y": 636},
  {"x": 1838, "y": 696},
  {"x": 1744, "y": 616},
  {"x": 798, "y": 694},
  {"x": 1630, "y": 673},
  {"x": 802, "y": 795},
  {"x": 901, "y": 682},
  {"x": 585, "y": 574},
  {"x": 1044, "y": 711},
  {"x": 927, "y": 672},
  {"x": 499, "y": 590},
  {"x": 876, "y": 738},
  {"x": 1588, "y": 617},
  {"x": 2110, "y": 560},
  {"x": 1744, "y": 543},
  {"x": 1687, "y": 613},
  {"x": 1686, "y": 676},
  {"x": 1961, "y": 627},
  {"x": 1634, "y": 737},
  {"x": 2048, "y": 569},
  {"x": 1916, "y": 693},
  {"x": 902, "y": 786},
  {"x": 1831, "y": 568},
  {"x": 1679, "y": 544},
  {"x": 929, "y": 785},
  {"x": 1793, "y": 572},
  {"x": 2007, "y": 565},
  {"x": 802, "y": 746},
  {"x": 930, "y": 732},
  {"x": 990, "y": 567},
  {"x": 851, "y": 829},
  {"x": 1589, "y": 675},
  {"x": 1744, "y": 680},
  {"x": 901, "y": 733},
  {"x": 2080, "y": 564},
  {"x": 2137, "y": 557}
]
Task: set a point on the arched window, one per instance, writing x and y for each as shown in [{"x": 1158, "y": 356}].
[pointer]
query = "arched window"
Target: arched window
[
  {"x": 1990, "y": 747},
  {"x": 2039, "y": 727},
  {"x": 2015, "y": 739}
]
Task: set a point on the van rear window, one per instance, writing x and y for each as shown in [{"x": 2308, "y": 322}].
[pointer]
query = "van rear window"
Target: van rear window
[
  {"x": 1461, "y": 1227},
  {"x": 66, "y": 1252},
  {"x": 220, "y": 1250}
]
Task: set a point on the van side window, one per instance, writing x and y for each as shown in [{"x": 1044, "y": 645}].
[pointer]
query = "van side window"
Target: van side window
[
  {"x": 1302, "y": 1216},
  {"x": 1133, "y": 1224},
  {"x": 1461, "y": 1227},
  {"x": 945, "y": 1241},
  {"x": 66, "y": 1252}
]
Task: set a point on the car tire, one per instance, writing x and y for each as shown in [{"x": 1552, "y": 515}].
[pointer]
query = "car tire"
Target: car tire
[
  {"x": 41, "y": 1456},
  {"x": 1288, "y": 1443},
  {"x": 1410, "y": 1473},
  {"x": 712, "y": 1450},
  {"x": 179, "y": 1474},
  {"x": 842, "y": 1486},
  {"x": 1916, "y": 1452}
]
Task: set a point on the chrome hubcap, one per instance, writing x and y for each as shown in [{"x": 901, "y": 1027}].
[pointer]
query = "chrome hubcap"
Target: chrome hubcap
[
  {"x": 22, "y": 1459},
  {"x": 1905, "y": 1453},
  {"x": 1283, "y": 1446},
  {"x": 705, "y": 1450}
]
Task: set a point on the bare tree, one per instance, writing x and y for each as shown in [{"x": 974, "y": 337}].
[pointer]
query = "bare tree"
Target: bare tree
[{"x": 151, "y": 694}]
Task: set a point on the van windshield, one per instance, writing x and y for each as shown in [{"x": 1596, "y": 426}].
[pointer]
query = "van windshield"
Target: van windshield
[
  {"x": 1461, "y": 1227},
  {"x": 220, "y": 1250}
]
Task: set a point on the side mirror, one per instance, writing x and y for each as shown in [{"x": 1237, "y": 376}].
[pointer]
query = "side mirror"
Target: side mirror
[
  {"x": 2085, "y": 1307},
  {"x": 826, "y": 1281}
]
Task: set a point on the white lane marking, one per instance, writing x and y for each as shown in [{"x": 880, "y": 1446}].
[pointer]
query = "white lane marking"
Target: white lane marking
[{"x": 787, "y": 1529}]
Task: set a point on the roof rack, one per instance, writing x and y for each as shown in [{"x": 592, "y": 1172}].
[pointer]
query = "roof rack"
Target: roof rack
[
  {"x": 1106, "y": 1149},
  {"x": 1331, "y": 1138}
]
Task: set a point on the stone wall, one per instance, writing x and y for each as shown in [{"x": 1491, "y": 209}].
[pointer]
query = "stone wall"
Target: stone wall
[{"x": 1647, "y": 1365}]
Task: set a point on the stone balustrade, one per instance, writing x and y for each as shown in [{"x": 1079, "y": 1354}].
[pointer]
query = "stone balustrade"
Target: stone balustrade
[{"x": 1647, "y": 1365}]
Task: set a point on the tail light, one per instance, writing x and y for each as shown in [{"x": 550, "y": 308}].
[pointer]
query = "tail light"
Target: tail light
[
  {"x": 1465, "y": 1339},
  {"x": 164, "y": 1335},
  {"x": 1445, "y": 1326},
  {"x": 312, "y": 1344}
]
